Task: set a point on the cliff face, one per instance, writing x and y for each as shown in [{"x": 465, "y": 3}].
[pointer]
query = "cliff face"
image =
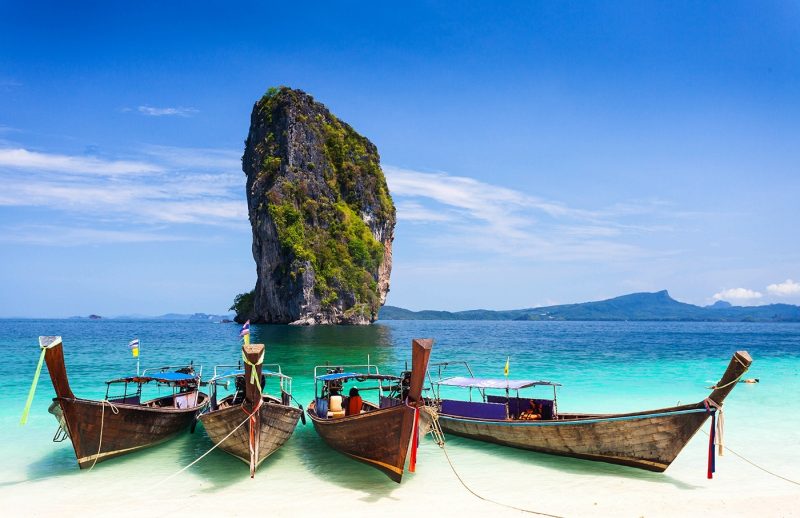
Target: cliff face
[{"x": 322, "y": 217}]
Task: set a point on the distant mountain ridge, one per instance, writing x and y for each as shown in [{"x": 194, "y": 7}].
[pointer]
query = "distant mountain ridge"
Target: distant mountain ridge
[{"x": 658, "y": 306}]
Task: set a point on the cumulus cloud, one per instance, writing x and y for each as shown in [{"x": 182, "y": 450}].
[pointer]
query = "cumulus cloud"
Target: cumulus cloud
[
  {"x": 20, "y": 158},
  {"x": 784, "y": 289},
  {"x": 179, "y": 111},
  {"x": 737, "y": 294}
]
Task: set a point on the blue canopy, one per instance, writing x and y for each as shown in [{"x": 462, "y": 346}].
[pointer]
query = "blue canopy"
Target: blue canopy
[
  {"x": 347, "y": 375},
  {"x": 492, "y": 383}
]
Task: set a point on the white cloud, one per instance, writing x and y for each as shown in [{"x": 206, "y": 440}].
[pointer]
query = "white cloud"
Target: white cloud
[
  {"x": 784, "y": 289},
  {"x": 410, "y": 211},
  {"x": 172, "y": 185},
  {"x": 50, "y": 235},
  {"x": 203, "y": 158},
  {"x": 469, "y": 215},
  {"x": 179, "y": 111},
  {"x": 737, "y": 294},
  {"x": 19, "y": 158}
]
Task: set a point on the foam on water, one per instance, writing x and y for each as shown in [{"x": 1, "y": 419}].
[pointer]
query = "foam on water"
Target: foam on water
[{"x": 603, "y": 366}]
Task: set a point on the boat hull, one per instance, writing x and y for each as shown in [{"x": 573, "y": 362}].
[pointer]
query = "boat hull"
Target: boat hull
[
  {"x": 276, "y": 424},
  {"x": 380, "y": 438},
  {"x": 99, "y": 431},
  {"x": 648, "y": 440}
]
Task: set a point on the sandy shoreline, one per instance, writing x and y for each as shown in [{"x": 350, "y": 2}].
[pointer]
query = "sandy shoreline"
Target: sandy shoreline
[{"x": 551, "y": 485}]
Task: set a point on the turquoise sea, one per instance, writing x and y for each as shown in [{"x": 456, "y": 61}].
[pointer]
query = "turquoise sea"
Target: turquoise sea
[{"x": 611, "y": 366}]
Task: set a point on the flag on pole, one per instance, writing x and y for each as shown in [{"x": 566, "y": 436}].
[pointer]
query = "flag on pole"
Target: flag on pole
[
  {"x": 505, "y": 371},
  {"x": 245, "y": 333},
  {"x": 134, "y": 347}
]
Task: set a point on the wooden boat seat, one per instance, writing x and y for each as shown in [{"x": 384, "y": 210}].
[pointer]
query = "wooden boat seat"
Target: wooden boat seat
[{"x": 474, "y": 409}]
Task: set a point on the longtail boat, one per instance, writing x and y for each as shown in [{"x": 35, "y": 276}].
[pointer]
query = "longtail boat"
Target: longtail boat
[
  {"x": 120, "y": 423},
  {"x": 377, "y": 433},
  {"x": 648, "y": 440},
  {"x": 251, "y": 424}
]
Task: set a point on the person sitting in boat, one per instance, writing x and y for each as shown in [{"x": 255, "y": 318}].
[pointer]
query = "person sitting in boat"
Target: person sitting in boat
[
  {"x": 533, "y": 413},
  {"x": 750, "y": 380},
  {"x": 335, "y": 409},
  {"x": 355, "y": 402}
]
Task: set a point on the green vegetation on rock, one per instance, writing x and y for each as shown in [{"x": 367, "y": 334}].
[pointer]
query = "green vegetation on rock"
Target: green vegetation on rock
[
  {"x": 243, "y": 303},
  {"x": 320, "y": 183}
]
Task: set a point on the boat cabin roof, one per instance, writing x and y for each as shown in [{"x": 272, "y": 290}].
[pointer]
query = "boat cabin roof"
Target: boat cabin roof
[
  {"x": 160, "y": 377},
  {"x": 344, "y": 376},
  {"x": 492, "y": 383}
]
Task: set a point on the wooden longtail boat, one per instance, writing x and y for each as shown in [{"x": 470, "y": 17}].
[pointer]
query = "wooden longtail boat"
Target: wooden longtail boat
[
  {"x": 100, "y": 430},
  {"x": 379, "y": 434},
  {"x": 250, "y": 424},
  {"x": 648, "y": 440}
]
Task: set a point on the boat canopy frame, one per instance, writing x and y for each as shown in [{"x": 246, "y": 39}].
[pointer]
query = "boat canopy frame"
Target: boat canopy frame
[
  {"x": 163, "y": 376},
  {"x": 284, "y": 381},
  {"x": 333, "y": 375},
  {"x": 483, "y": 384}
]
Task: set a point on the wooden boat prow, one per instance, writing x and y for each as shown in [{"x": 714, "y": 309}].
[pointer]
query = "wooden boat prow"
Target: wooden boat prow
[
  {"x": 102, "y": 429},
  {"x": 649, "y": 439},
  {"x": 381, "y": 435},
  {"x": 272, "y": 421}
]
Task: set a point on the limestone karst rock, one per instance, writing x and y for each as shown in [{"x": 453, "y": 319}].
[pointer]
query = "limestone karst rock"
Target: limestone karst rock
[{"x": 322, "y": 217}]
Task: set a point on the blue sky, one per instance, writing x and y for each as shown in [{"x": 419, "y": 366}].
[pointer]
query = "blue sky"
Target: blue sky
[{"x": 538, "y": 152}]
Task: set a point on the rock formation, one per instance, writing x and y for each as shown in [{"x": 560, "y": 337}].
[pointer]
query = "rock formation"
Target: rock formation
[{"x": 322, "y": 217}]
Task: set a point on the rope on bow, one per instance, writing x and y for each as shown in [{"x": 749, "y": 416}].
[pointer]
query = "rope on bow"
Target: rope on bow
[
  {"x": 253, "y": 425},
  {"x": 716, "y": 435},
  {"x": 253, "y": 374}
]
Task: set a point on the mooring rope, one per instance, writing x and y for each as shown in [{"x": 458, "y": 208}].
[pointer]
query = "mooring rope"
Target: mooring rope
[
  {"x": 198, "y": 459},
  {"x": 529, "y": 511},
  {"x": 102, "y": 419},
  {"x": 746, "y": 367},
  {"x": 765, "y": 470},
  {"x": 438, "y": 436}
]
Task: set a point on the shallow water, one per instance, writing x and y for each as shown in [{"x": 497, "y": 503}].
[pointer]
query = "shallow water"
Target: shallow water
[{"x": 618, "y": 366}]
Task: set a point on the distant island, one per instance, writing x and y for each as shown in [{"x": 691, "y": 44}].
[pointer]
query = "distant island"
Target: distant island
[
  {"x": 658, "y": 307},
  {"x": 194, "y": 317}
]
